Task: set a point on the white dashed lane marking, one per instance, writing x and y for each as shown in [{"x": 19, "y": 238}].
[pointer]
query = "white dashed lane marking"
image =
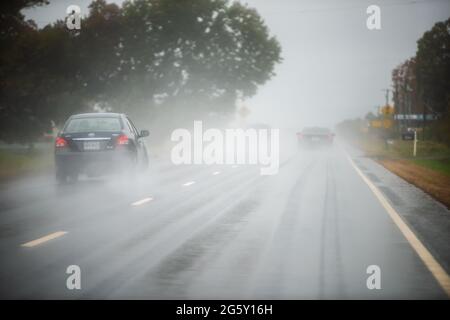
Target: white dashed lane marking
[
  {"x": 46, "y": 238},
  {"x": 140, "y": 202}
]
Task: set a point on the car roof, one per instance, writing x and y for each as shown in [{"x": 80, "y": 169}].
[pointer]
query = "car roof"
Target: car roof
[
  {"x": 316, "y": 130},
  {"x": 97, "y": 115}
]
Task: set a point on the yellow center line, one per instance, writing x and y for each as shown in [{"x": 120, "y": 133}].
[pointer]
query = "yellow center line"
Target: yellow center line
[
  {"x": 46, "y": 238},
  {"x": 430, "y": 262}
]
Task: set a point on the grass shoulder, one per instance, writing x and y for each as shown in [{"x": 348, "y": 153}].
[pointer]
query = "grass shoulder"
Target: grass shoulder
[
  {"x": 429, "y": 170},
  {"x": 18, "y": 160}
]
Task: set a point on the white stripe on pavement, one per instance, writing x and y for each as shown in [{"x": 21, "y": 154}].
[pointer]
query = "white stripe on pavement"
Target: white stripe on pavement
[
  {"x": 433, "y": 266},
  {"x": 187, "y": 184},
  {"x": 46, "y": 238},
  {"x": 145, "y": 200}
]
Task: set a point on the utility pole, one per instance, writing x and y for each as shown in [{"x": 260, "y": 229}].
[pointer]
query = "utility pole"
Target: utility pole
[
  {"x": 387, "y": 95},
  {"x": 409, "y": 92},
  {"x": 415, "y": 142},
  {"x": 386, "y": 106}
]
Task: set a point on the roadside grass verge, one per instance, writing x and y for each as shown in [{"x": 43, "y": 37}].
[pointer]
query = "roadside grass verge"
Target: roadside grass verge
[
  {"x": 438, "y": 165},
  {"x": 378, "y": 148},
  {"x": 431, "y": 181},
  {"x": 16, "y": 162},
  {"x": 429, "y": 170}
]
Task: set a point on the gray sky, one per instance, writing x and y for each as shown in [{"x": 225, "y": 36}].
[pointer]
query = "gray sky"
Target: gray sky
[{"x": 334, "y": 67}]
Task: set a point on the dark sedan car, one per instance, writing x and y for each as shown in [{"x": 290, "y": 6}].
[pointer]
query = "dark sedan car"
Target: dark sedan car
[
  {"x": 315, "y": 136},
  {"x": 99, "y": 143}
]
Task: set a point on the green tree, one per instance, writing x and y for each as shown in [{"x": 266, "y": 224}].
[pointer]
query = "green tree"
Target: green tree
[
  {"x": 18, "y": 40},
  {"x": 193, "y": 54},
  {"x": 12, "y": 21},
  {"x": 146, "y": 57},
  {"x": 433, "y": 67}
]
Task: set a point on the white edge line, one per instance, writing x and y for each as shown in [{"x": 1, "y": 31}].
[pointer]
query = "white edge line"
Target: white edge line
[{"x": 430, "y": 262}]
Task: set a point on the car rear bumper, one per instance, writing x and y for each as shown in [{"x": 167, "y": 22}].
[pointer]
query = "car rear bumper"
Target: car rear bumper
[
  {"x": 315, "y": 142},
  {"x": 95, "y": 162}
]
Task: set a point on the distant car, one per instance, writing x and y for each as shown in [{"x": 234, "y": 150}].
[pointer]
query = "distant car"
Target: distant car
[
  {"x": 99, "y": 143},
  {"x": 315, "y": 136}
]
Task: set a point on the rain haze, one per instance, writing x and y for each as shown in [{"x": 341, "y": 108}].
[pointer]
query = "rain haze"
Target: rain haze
[
  {"x": 218, "y": 149},
  {"x": 333, "y": 66}
]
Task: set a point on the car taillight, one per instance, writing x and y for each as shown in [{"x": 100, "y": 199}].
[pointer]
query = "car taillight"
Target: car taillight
[
  {"x": 60, "y": 142},
  {"x": 122, "y": 139}
]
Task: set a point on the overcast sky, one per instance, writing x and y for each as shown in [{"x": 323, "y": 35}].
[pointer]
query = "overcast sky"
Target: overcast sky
[{"x": 334, "y": 67}]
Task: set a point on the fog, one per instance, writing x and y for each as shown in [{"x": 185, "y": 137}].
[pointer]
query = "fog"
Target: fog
[
  {"x": 334, "y": 67},
  {"x": 166, "y": 228}
]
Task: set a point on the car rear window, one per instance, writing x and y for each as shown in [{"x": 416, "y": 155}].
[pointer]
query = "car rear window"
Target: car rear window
[{"x": 93, "y": 125}]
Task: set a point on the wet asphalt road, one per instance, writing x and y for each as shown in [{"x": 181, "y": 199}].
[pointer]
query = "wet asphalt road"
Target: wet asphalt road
[{"x": 207, "y": 232}]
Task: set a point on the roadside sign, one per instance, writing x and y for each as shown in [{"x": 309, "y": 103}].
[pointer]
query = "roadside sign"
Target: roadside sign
[
  {"x": 414, "y": 117},
  {"x": 387, "y": 110},
  {"x": 376, "y": 123},
  {"x": 387, "y": 123},
  {"x": 384, "y": 123},
  {"x": 408, "y": 136}
]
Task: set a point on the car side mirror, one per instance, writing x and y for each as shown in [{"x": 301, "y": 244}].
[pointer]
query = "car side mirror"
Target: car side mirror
[{"x": 144, "y": 133}]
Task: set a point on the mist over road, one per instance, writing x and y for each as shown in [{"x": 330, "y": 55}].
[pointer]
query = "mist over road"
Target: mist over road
[{"x": 208, "y": 232}]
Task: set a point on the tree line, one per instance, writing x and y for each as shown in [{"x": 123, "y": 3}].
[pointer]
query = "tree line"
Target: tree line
[
  {"x": 421, "y": 86},
  {"x": 143, "y": 57}
]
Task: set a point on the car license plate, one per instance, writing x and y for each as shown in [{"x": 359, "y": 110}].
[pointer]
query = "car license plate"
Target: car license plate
[
  {"x": 91, "y": 145},
  {"x": 315, "y": 139}
]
